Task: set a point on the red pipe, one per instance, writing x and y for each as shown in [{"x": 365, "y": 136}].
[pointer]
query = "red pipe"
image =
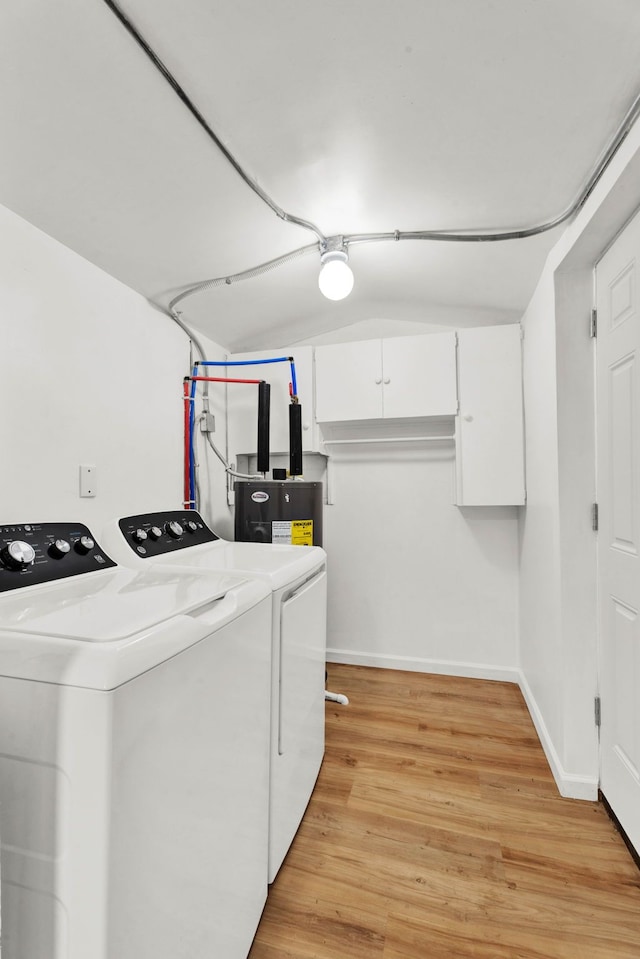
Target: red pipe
[
  {"x": 220, "y": 379},
  {"x": 187, "y": 452}
]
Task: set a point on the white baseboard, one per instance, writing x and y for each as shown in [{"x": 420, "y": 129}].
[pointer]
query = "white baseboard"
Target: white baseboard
[
  {"x": 416, "y": 664},
  {"x": 569, "y": 785}
]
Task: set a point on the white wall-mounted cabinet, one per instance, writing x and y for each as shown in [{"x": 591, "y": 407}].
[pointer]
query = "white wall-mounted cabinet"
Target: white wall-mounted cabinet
[
  {"x": 489, "y": 427},
  {"x": 407, "y": 376},
  {"x": 243, "y": 401},
  {"x": 477, "y": 370}
]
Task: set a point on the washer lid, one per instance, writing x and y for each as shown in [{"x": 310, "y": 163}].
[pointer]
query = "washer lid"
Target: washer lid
[
  {"x": 110, "y": 605},
  {"x": 100, "y": 630}
]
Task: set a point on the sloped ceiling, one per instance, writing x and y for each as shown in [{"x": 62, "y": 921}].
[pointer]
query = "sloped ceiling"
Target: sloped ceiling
[{"x": 359, "y": 115}]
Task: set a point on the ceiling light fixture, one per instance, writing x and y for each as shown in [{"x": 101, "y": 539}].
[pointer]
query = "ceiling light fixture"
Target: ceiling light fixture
[{"x": 335, "y": 279}]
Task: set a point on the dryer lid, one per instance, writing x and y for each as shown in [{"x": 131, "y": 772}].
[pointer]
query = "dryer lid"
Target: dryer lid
[{"x": 275, "y": 562}]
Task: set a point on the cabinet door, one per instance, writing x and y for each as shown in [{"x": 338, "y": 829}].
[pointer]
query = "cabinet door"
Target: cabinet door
[
  {"x": 349, "y": 381},
  {"x": 489, "y": 428},
  {"x": 419, "y": 375},
  {"x": 243, "y": 401}
]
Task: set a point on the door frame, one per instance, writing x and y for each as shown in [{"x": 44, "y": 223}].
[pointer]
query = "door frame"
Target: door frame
[
  {"x": 561, "y": 696},
  {"x": 603, "y": 639}
]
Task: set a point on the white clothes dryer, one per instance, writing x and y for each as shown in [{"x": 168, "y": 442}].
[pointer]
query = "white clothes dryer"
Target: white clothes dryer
[
  {"x": 297, "y": 578},
  {"x": 134, "y": 753}
]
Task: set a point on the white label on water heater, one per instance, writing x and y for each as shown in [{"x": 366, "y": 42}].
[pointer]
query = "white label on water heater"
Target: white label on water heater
[
  {"x": 281, "y": 532},
  {"x": 259, "y": 496}
]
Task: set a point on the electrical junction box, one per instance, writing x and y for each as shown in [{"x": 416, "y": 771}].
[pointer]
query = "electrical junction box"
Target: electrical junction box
[{"x": 272, "y": 511}]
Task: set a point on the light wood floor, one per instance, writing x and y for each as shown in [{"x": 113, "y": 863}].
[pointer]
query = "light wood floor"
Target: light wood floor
[{"x": 436, "y": 832}]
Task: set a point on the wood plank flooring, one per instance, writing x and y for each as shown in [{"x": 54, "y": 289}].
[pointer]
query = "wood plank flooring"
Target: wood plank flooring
[{"x": 436, "y": 832}]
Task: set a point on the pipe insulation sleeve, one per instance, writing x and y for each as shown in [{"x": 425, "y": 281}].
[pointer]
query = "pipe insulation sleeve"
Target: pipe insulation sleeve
[
  {"x": 295, "y": 439},
  {"x": 264, "y": 410}
]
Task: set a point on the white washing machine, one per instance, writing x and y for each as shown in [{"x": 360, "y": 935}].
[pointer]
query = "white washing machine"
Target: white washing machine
[
  {"x": 297, "y": 578},
  {"x": 134, "y": 754}
]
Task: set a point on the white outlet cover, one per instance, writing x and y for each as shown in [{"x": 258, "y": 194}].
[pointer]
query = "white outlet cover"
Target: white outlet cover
[{"x": 88, "y": 480}]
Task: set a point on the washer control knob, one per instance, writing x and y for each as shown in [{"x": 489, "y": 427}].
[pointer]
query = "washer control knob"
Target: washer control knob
[
  {"x": 155, "y": 532},
  {"x": 139, "y": 536},
  {"x": 174, "y": 529},
  {"x": 191, "y": 526},
  {"x": 59, "y": 548},
  {"x": 17, "y": 555},
  {"x": 84, "y": 545}
]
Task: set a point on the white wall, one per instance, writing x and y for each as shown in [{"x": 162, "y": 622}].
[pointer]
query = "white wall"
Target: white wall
[
  {"x": 414, "y": 581},
  {"x": 540, "y": 617},
  {"x": 436, "y": 320},
  {"x": 558, "y": 629},
  {"x": 90, "y": 373}
]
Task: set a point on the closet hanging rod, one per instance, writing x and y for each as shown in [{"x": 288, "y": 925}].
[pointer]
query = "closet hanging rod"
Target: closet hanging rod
[{"x": 389, "y": 439}]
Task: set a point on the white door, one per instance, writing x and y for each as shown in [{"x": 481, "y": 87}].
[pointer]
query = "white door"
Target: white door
[{"x": 618, "y": 426}]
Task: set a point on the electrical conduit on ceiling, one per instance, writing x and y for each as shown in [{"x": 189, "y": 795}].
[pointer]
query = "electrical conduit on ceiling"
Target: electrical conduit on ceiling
[{"x": 323, "y": 242}]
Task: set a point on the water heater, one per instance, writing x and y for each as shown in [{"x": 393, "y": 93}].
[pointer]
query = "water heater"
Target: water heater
[{"x": 279, "y": 511}]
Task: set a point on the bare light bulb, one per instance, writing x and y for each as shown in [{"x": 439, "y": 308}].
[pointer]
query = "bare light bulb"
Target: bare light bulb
[{"x": 336, "y": 279}]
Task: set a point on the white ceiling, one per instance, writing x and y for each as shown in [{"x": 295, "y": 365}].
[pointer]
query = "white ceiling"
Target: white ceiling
[{"x": 359, "y": 115}]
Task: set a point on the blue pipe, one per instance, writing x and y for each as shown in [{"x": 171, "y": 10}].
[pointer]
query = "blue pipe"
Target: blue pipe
[{"x": 275, "y": 359}]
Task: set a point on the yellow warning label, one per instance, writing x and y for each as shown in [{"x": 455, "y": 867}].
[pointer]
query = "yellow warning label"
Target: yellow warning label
[{"x": 302, "y": 532}]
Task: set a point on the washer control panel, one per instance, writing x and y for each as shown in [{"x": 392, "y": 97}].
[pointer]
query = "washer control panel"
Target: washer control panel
[
  {"x": 153, "y": 534},
  {"x": 33, "y": 553}
]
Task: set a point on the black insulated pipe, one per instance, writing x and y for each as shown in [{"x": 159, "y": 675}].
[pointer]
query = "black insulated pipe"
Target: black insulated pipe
[
  {"x": 264, "y": 412},
  {"x": 295, "y": 439}
]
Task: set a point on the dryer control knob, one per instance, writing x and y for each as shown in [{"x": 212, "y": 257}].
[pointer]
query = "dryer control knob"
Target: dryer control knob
[
  {"x": 155, "y": 532},
  {"x": 59, "y": 548},
  {"x": 191, "y": 526},
  {"x": 139, "y": 536},
  {"x": 18, "y": 555},
  {"x": 174, "y": 529}
]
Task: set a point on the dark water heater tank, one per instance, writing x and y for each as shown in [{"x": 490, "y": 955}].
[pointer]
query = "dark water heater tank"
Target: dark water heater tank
[{"x": 274, "y": 511}]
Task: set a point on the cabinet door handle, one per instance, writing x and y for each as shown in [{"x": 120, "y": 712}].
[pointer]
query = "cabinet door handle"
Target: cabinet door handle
[
  {"x": 378, "y": 380},
  {"x": 387, "y": 379},
  {"x": 467, "y": 417}
]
